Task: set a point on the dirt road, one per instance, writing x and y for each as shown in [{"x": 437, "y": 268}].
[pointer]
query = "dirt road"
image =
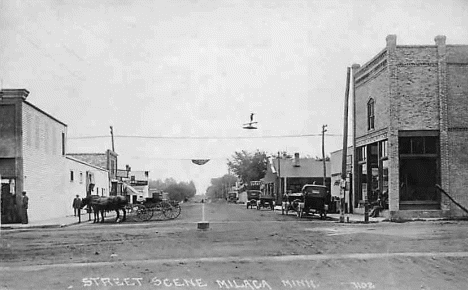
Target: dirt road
[{"x": 243, "y": 249}]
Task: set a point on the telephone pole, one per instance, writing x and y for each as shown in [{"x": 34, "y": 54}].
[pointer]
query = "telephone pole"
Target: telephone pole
[
  {"x": 112, "y": 137},
  {"x": 345, "y": 150},
  {"x": 323, "y": 154}
]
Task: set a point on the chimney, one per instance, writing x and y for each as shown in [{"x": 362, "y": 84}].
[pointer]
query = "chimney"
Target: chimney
[{"x": 296, "y": 160}]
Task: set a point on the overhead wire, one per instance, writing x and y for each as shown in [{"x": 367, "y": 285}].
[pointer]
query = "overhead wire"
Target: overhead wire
[{"x": 204, "y": 137}]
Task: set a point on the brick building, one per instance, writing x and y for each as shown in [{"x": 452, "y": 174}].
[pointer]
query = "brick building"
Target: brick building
[
  {"x": 107, "y": 160},
  {"x": 411, "y": 126},
  {"x": 33, "y": 159}
]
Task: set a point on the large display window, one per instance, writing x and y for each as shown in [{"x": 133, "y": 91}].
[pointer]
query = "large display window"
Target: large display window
[{"x": 419, "y": 170}]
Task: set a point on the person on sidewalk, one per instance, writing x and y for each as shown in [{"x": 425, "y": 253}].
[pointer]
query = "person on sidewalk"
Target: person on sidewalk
[
  {"x": 77, "y": 205},
  {"x": 25, "y": 200},
  {"x": 379, "y": 205}
]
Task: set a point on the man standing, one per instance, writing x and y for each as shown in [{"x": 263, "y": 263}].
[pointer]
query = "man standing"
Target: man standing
[
  {"x": 77, "y": 205},
  {"x": 25, "y": 200}
]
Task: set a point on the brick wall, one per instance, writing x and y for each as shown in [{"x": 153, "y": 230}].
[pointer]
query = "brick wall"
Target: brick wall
[
  {"x": 376, "y": 88},
  {"x": 416, "y": 53},
  {"x": 44, "y": 165},
  {"x": 98, "y": 159},
  {"x": 457, "y": 103},
  {"x": 416, "y": 98}
]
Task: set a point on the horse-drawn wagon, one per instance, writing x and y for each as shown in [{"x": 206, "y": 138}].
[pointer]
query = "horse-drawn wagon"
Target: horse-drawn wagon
[{"x": 156, "y": 207}]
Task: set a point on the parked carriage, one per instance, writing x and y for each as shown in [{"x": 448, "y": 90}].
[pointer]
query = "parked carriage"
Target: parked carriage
[{"x": 156, "y": 208}]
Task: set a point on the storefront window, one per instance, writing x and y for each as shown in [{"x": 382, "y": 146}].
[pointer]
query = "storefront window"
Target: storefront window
[{"x": 419, "y": 170}]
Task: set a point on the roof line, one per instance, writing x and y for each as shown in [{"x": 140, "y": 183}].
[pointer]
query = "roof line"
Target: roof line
[
  {"x": 85, "y": 163},
  {"x": 45, "y": 113}
]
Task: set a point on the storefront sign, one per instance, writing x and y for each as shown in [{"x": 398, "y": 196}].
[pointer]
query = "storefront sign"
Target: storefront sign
[{"x": 371, "y": 139}]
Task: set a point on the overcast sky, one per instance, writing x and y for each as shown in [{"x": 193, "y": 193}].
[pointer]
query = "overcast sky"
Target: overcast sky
[{"x": 195, "y": 70}]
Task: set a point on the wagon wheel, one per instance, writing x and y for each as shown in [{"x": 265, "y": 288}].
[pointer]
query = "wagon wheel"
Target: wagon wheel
[
  {"x": 143, "y": 213},
  {"x": 295, "y": 204},
  {"x": 158, "y": 212},
  {"x": 171, "y": 211}
]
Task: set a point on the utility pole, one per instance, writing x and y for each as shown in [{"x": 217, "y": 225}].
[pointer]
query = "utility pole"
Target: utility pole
[
  {"x": 345, "y": 149},
  {"x": 280, "y": 195},
  {"x": 323, "y": 154},
  {"x": 112, "y": 137}
]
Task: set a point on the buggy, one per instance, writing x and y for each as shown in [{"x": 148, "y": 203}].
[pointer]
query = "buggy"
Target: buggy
[{"x": 156, "y": 207}]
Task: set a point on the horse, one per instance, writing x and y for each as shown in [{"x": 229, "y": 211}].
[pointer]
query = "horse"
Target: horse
[{"x": 106, "y": 203}]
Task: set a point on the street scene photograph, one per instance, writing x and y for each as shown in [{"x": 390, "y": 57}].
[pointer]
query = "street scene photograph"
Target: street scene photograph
[{"x": 234, "y": 144}]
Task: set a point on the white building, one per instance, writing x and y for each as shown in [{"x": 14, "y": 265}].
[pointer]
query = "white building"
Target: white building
[{"x": 79, "y": 178}]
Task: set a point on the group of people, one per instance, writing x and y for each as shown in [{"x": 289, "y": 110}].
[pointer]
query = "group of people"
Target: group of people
[{"x": 14, "y": 211}]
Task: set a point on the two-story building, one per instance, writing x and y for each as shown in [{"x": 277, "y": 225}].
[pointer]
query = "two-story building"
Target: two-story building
[
  {"x": 33, "y": 159},
  {"x": 410, "y": 128},
  {"x": 137, "y": 185}
]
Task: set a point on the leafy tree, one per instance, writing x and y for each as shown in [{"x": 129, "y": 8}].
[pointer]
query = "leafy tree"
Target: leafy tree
[
  {"x": 176, "y": 190},
  {"x": 220, "y": 186},
  {"x": 248, "y": 166}
]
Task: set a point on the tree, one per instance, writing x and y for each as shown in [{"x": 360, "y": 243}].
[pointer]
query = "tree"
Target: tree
[
  {"x": 248, "y": 166},
  {"x": 220, "y": 186},
  {"x": 176, "y": 190}
]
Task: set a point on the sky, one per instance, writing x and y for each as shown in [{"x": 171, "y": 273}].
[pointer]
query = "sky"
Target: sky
[{"x": 184, "y": 76}]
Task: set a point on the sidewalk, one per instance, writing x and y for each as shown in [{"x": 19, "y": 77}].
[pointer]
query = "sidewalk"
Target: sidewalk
[
  {"x": 356, "y": 218},
  {"x": 348, "y": 218},
  {"x": 59, "y": 222}
]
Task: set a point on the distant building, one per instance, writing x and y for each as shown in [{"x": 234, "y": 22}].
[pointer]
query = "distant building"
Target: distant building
[
  {"x": 291, "y": 174},
  {"x": 107, "y": 160},
  {"x": 85, "y": 178},
  {"x": 336, "y": 158},
  {"x": 411, "y": 128},
  {"x": 137, "y": 185}
]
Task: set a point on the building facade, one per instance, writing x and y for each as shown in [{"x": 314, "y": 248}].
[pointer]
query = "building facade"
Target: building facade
[
  {"x": 410, "y": 128},
  {"x": 291, "y": 174},
  {"x": 84, "y": 178},
  {"x": 137, "y": 185},
  {"x": 336, "y": 167},
  {"x": 32, "y": 158},
  {"x": 106, "y": 160}
]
